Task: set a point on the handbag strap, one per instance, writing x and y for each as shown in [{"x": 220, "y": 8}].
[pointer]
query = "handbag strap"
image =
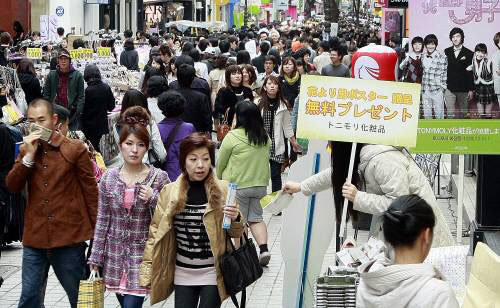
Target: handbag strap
[
  {"x": 172, "y": 135},
  {"x": 243, "y": 299},
  {"x": 148, "y": 184}
]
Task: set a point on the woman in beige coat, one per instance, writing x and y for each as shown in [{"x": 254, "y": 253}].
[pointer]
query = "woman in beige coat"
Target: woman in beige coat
[{"x": 186, "y": 239}]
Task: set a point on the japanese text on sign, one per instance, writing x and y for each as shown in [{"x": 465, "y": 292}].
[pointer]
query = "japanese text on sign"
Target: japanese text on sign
[
  {"x": 82, "y": 54},
  {"x": 355, "y": 110},
  {"x": 474, "y": 9},
  {"x": 104, "y": 52},
  {"x": 34, "y": 53}
]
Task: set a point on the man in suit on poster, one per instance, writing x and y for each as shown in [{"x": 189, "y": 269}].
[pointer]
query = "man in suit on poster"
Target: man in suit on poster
[{"x": 460, "y": 82}]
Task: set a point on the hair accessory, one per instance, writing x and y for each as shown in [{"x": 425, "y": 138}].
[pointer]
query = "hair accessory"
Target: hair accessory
[{"x": 135, "y": 120}]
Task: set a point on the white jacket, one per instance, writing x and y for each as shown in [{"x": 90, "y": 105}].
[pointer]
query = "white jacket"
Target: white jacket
[
  {"x": 496, "y": 68},
  {"x": 387, "y": 174},
  {"x": 282, "y": 128},
  {"x": 403, "y": 285}
]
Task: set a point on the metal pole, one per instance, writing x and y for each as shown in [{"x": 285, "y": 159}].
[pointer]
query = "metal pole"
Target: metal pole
[{"x": 245, "y": 14}]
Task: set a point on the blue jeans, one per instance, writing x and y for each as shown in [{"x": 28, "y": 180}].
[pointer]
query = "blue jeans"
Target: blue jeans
[
  {"x": 68, "y": 264},
  {"x": 130, "y": 301}
]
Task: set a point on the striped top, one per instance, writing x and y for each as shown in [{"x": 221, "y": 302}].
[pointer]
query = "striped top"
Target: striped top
[{"x": 195, "y": 263}]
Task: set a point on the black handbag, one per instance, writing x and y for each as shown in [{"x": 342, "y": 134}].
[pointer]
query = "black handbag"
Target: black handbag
[
  {"x": 153, "y": 158},
  {"x": 240, "y": 268}
]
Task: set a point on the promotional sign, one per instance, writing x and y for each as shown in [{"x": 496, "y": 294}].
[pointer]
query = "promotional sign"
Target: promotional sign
[
  {"x": 103, "y": 52},
  {"x": 34, "y": 53},
  {"x": 364, "y": 111},
  {"x": 458, "y": 137},
  {"x": 82, "y": 54},
  {"x": 334, "y": 29},
  {"x": 375, "y": 62},
  {"x": 479, "y": 19}
]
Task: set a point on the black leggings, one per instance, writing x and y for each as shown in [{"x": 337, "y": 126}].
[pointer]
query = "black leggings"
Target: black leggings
[
  {"x": 275, "y": 175},
  {"x": 188, "y": 297}
]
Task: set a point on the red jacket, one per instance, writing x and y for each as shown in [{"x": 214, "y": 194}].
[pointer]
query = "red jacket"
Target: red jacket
[{"x": 62, "y": 194}]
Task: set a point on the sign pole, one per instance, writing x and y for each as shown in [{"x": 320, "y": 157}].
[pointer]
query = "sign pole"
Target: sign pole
[
  {"x": 344, "y": 208},
  {"x": 460, "y": 205}
]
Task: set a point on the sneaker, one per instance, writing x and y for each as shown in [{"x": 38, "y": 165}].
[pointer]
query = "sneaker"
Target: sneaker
[{"x": 264, "y": 258}]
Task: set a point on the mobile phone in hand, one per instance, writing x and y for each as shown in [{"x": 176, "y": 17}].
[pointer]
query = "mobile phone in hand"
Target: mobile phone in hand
[{"x": 45, "y": 132}]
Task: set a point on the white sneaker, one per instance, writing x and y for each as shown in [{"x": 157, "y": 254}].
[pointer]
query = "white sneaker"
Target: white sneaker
[{"x": 264, "y": 258}]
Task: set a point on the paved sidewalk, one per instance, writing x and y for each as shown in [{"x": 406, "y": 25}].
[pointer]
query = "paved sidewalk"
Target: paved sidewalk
[{"x": 266, "y": 292}]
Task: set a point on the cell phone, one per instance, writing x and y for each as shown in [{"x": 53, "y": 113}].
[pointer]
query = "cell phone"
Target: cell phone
[{"x": 45, "y": 132}]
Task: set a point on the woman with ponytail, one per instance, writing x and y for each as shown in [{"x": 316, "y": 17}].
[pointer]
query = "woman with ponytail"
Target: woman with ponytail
[
  {"x": 405, "y": 281},
  {"x": 127, "y": 200}
]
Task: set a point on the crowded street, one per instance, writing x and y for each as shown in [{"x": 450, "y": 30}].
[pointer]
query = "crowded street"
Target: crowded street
[{"x": 206, "y": 154}]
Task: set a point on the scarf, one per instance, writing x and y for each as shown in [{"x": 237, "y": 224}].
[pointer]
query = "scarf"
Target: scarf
[{"x": 293, "y": 80}]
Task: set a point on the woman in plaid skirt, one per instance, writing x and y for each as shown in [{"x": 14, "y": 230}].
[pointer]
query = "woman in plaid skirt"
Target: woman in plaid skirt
[{"x": 484, "y": 91}]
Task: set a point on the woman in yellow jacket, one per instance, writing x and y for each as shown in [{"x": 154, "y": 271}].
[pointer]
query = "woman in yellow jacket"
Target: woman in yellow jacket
[{"x": 186, "y": 240}]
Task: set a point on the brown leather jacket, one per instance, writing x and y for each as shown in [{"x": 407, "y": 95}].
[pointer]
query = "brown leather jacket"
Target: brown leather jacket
[{"x": 62, "y": 194}]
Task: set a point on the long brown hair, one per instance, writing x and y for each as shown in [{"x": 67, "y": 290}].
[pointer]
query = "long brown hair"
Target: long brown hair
[
  {"x": 26, "y": 66},
  {"x": 264, "y": 98}
]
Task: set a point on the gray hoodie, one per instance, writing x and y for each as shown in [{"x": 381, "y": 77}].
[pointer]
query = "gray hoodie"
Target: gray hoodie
[{"x": 383, "y": 284}]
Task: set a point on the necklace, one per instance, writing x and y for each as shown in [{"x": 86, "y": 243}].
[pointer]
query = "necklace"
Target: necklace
[{"x": 131, "y": 179}]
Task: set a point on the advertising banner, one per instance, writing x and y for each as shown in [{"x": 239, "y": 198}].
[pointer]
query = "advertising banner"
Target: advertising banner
[
  {"x": 458, "y": 137},
  {"x": 479, "y": 19},
  {"x": 355, "y": 110}
]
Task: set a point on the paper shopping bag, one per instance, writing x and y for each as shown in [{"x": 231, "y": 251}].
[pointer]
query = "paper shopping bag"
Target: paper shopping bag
[{"x": 91, "y": 292}]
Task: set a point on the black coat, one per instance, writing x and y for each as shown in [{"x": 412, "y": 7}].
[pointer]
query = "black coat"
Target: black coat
[
  {"x": 197, "y": 110},
  {"x": 3, "y": 56},
  {"x": 258, "y": 62},
  {"x": 99, "y": 99},
  {"x": 198, "y": 84},
  {"x": 290, "y": 92},
  {"x": 130, "y": 59},
  {"x": 31, "y": 86},
  {"x": 459, "y": 79},
  {"x": 227, "y": 99}
]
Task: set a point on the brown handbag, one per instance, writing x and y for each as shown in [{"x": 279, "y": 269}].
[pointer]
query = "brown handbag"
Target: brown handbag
[{"x": 224, "y": 127}]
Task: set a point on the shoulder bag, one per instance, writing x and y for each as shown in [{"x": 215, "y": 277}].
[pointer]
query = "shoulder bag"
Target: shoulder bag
[
  {"x": 240, "y": 268},
  {"x": 153, "y": 158}
]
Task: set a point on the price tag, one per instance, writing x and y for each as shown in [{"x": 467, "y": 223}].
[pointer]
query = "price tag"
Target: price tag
[
  {"x": 103, "y": 52},
  {"x": 34, "y": 53},
  {"x": 82, "y": 54}
]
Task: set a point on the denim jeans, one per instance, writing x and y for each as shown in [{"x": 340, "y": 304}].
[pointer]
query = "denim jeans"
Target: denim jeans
[
  {"x": 130, "y": 301},
  {"x": 188, "y": 297},
  {"x": 68, "y": 264}
]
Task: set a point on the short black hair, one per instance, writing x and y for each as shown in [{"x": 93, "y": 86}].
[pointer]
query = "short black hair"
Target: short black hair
[
  {"x": 430, "y": 39},
  {"x": 171, "y": 104},
  {"x": 42, "y": 102},
  {"x": 128, "y": 34},
  {"x": 270, "y": 58},
  {"x": 325, "y": 46},
  {"x": 203, "y": 44},
  {"x": 405, "y": 219},
  {"x": 183, "y": 59},
  {"x": 264, "y": 47},
  {"x": 243, "y": 57},
  {"x": 185, "y": 75},
  {"x": 224, "y": 46},
  {"x": 195, "y": 54},
  {"x": 481, "y": 47},
  {"x": 60, "y": 31},
  {"x": 457, "y": 30},
  {"x": 62, "y": 113},
  {"x": 417, "y": 39}
]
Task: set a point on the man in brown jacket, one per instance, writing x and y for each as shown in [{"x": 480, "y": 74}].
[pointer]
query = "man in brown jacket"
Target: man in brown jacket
[{"x": 62, "y": 206}]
